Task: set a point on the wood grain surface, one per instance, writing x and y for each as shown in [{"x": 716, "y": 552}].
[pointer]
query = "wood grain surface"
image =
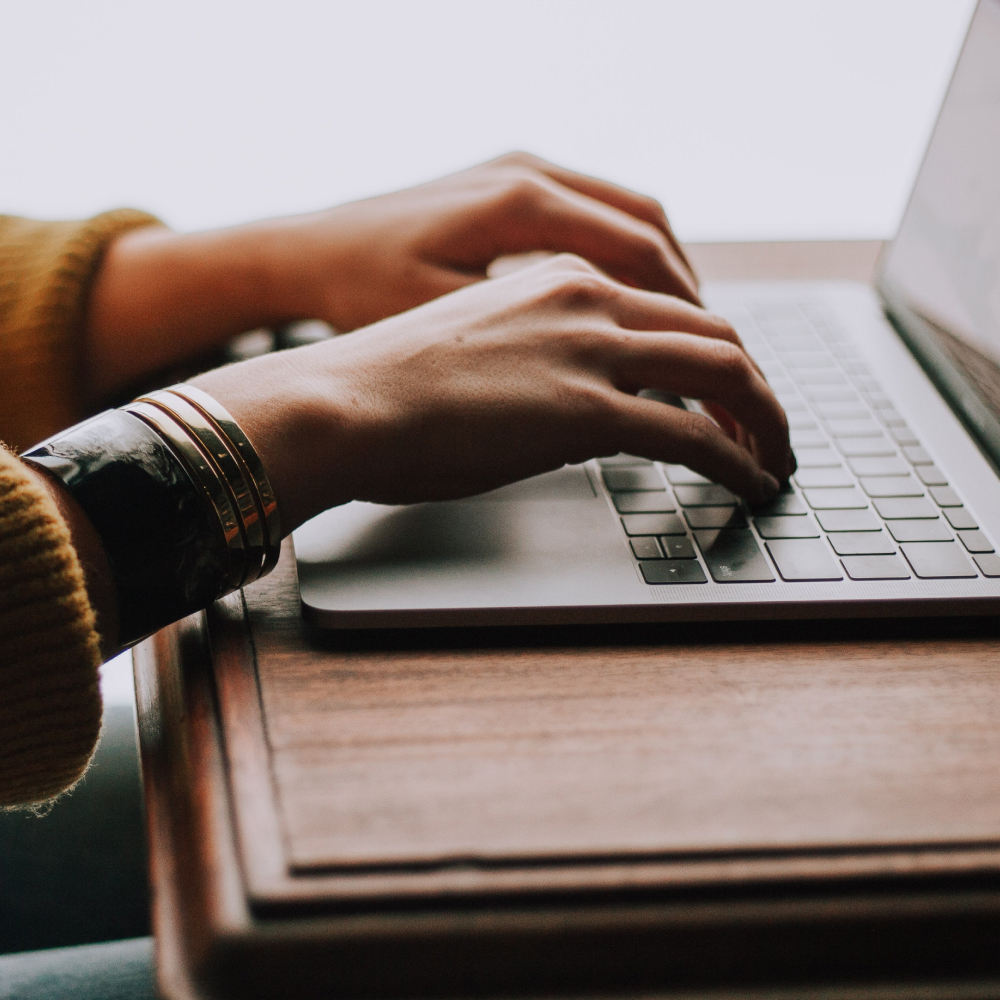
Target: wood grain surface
[
  {"x": 402, "y": 749},
  {"x": 793, "y": 809}
]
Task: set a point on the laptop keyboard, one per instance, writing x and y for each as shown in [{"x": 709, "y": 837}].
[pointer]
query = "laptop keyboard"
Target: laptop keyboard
[{"x": 868, "y": 501}]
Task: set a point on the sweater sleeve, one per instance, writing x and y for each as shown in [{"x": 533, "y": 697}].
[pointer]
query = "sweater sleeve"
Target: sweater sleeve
[
  {"x": 50, "y": 703},
  {"x": 46, "y": 270}
]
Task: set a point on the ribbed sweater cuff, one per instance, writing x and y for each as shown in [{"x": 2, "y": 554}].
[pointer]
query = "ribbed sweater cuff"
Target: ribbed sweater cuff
[
  {"x": 47, "y": 270},
  {"x": 50, "y": 703}
]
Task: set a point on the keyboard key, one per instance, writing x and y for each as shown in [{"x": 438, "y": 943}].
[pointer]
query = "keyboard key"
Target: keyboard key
[
  {"x": 841, "y": 411},
  {"x": 682, "y": 475},
  {"x": 646, "y": 547},
  {"x": 862, "y": 543},
  {"x": 892, "y": 486},
  {"x": 845, "y": 352},
  {"x": 801, "y": 422},
  {"x": 733, "y": 556},
  {"x": 810, "y": 479},
  {"x": 653, "y": 524},
  {"x": 804, "y": 559},
  {"x": 817, "y": 458},
  {"x": 891, "y": 418},
  {"x": 945, "y": 496},
  {"x": 673, "y": 571},
  {"x": 904, "y": 436},
  {"x": 794, "y": 404},
  {"x": 840, "y": 499},
  {"x": 879, "y": 401},
  {"x": 853, "y": 428},
  {"x": 920, "y": 531},
  {"x": 808, "y": 359},
  {"x": 771, "y": 369},
  {"x": 818, "y": 376},
  {"x": 615, "y": 460},
  {"x": 959, "y": 517},
  {"x": 875, "y": 568},
  {"x": 782, "y": 385},
  {"x": 897, "y": 508},
  {"x": 975, "y": 541},
  {"x": 831, "y": 394},
  {"x": 677, "y": 547},
  {"x": 938, "y": 560},
  {"x": 917, "y": 455},
  {"x": 868, "y": 385},
  {"x": 715, "y": 517},
  {"x": 851, "y": 365},
  {"x": 809, "y": 439},
  {"x": 633, "y": 477},
  {"x": 931, "y": 475},
  {"x": 879, "y": 466},
  {"x": 787, "y": 527},
  {"x": 708, "y": 495},
  {"x": 848, "y": 520},
  {"x": 866, "y": 446},
  {"x": 646, "y": 503},
  {"x": 988, "y": 565},
  {"x": 783, "y": 505}
]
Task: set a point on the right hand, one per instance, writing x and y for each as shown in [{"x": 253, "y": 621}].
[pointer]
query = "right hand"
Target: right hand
[{"x": 500, "y": 381}]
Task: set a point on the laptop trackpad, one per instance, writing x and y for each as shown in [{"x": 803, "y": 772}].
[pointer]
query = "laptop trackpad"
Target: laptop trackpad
[{"x": 549, "y": 540}]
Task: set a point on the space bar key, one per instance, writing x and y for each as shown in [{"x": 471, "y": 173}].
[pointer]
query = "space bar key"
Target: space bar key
[{"x": 802, "y": 559}]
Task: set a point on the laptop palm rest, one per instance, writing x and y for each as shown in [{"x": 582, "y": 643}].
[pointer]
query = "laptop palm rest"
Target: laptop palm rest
[{"x": 549, "y": 541}]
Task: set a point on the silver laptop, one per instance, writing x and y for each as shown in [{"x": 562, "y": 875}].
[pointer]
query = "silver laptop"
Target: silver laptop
[{"x": 892, "y": 398}]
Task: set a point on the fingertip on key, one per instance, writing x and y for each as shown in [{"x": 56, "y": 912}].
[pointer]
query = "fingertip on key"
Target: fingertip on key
[{"x": 767, "y": 488}]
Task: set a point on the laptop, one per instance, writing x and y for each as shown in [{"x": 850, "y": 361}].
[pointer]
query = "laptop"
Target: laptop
[{"x": 892, "y": 395}]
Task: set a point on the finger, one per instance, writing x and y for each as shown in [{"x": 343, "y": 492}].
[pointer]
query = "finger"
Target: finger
[
  {"x": 636, "y": 309},
  {"x": 638, "y": 205},
  {"x": 710, "y": 370},
  {"x": 729, "y": 426},
  {"x": 667, "y": 434},
  {"x": 539, "y": 214}
]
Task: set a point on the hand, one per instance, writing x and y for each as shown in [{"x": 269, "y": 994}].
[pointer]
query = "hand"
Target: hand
[
  {"x": 501, "y": 381},
  {"x": 362, "y": 262},
  {"x": 160, "y": 298}
]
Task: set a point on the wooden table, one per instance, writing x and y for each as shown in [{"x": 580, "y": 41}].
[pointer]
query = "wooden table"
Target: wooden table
[{"x": 758, "y": 809}]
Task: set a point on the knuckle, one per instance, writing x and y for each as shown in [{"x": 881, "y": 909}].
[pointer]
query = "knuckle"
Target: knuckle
[
  {"x": 515, "y": 158},
  {"x": 733, "y": 364},
  {"x": 698, "y": 430},
  {"x": 654, "y": 208},
  {"x": 721, "y": 329},
  {"x": 650, "y": 250},
  {"x": 578, "y": 287},
  {"x": 523, "y": 192}
]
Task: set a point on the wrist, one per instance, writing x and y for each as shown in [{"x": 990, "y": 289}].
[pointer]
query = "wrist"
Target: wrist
[
  {"x": 160, "y": 298},
  {"x": 297, "y": 415}
]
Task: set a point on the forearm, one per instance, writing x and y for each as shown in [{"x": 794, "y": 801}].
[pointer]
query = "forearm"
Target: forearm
[{"x": 161, "y": 298}]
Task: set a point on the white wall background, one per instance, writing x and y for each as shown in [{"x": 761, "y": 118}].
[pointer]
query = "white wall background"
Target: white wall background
[{"x": 772, "y": 119}]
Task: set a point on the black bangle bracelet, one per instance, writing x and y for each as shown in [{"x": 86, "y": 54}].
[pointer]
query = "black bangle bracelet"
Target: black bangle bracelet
[{"x": 167, "y": 547}]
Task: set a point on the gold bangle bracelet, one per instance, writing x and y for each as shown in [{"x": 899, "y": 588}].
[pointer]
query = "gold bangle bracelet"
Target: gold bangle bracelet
[
  {"x": 191, "y": 455},
  {"x": 244, "y": 449},
  {"x": 229, "y": 468}
]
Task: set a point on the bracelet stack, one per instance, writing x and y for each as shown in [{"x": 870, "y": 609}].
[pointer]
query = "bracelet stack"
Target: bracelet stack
[
  {"x": 221, "y": 460},
  {"x": 179, "y": 498}
]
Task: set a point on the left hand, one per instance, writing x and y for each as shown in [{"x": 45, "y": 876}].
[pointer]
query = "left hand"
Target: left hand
[
  {"x": 367, "y": 260},
  {"x": 160, "y": 298}
]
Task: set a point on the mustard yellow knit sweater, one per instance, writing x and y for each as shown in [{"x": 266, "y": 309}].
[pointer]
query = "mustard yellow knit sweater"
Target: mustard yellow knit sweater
[{"x": 50, "y": 705}]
